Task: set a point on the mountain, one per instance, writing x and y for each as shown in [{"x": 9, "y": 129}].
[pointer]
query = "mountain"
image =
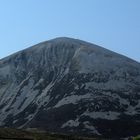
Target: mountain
[{"x": 70, "y": 86}]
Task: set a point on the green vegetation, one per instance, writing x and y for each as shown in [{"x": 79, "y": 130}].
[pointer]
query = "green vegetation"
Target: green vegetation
[
  {"x": 34, "y": 134},
  {"x": 16, "y": 134},
  {"x": 136, "y": 138}
]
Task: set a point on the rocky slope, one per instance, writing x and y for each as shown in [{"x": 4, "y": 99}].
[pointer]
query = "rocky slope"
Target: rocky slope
[{"x": 68, "y": 85}]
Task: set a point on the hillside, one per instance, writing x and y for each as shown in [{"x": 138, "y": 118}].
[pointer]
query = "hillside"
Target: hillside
[{"x": 70, "y": 86}]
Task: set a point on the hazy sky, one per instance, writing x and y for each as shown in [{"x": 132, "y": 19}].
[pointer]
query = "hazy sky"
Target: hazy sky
[{"x": 113, "y": 24}]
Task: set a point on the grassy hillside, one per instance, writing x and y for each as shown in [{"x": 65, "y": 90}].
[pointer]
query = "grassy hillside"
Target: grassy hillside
[
  {"x": 34, "y": 135},
  {"x": 16, "y": 134}
]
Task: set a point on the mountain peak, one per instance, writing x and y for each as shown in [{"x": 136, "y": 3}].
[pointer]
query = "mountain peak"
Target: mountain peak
[{"x": 68, "y": 85}]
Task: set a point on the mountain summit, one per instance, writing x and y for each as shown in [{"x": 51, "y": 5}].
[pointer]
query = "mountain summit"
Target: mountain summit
[{"x": 70, "y": 86}]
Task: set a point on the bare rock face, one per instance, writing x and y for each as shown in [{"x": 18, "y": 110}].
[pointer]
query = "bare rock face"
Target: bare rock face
[{"x": 71, "y": 86}]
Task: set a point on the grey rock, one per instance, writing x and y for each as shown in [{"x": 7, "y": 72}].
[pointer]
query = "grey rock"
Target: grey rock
[{"x": 71, "y": 86}]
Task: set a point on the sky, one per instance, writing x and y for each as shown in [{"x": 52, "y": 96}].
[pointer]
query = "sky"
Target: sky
[{"x": 112, "y": 24}]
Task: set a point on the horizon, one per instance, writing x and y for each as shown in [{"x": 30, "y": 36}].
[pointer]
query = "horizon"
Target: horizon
[{"x": 114, "y": 25}]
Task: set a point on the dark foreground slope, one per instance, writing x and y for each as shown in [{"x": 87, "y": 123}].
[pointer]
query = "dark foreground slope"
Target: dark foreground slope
[
  {"x": 15, "y": 134},
  {"x": 71, "y": 86}
]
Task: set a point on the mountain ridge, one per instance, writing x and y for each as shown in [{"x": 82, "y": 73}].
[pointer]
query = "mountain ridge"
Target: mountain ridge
[
  {"x": 59, "y": 39},
  {"x": 69, "y": 85}
]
